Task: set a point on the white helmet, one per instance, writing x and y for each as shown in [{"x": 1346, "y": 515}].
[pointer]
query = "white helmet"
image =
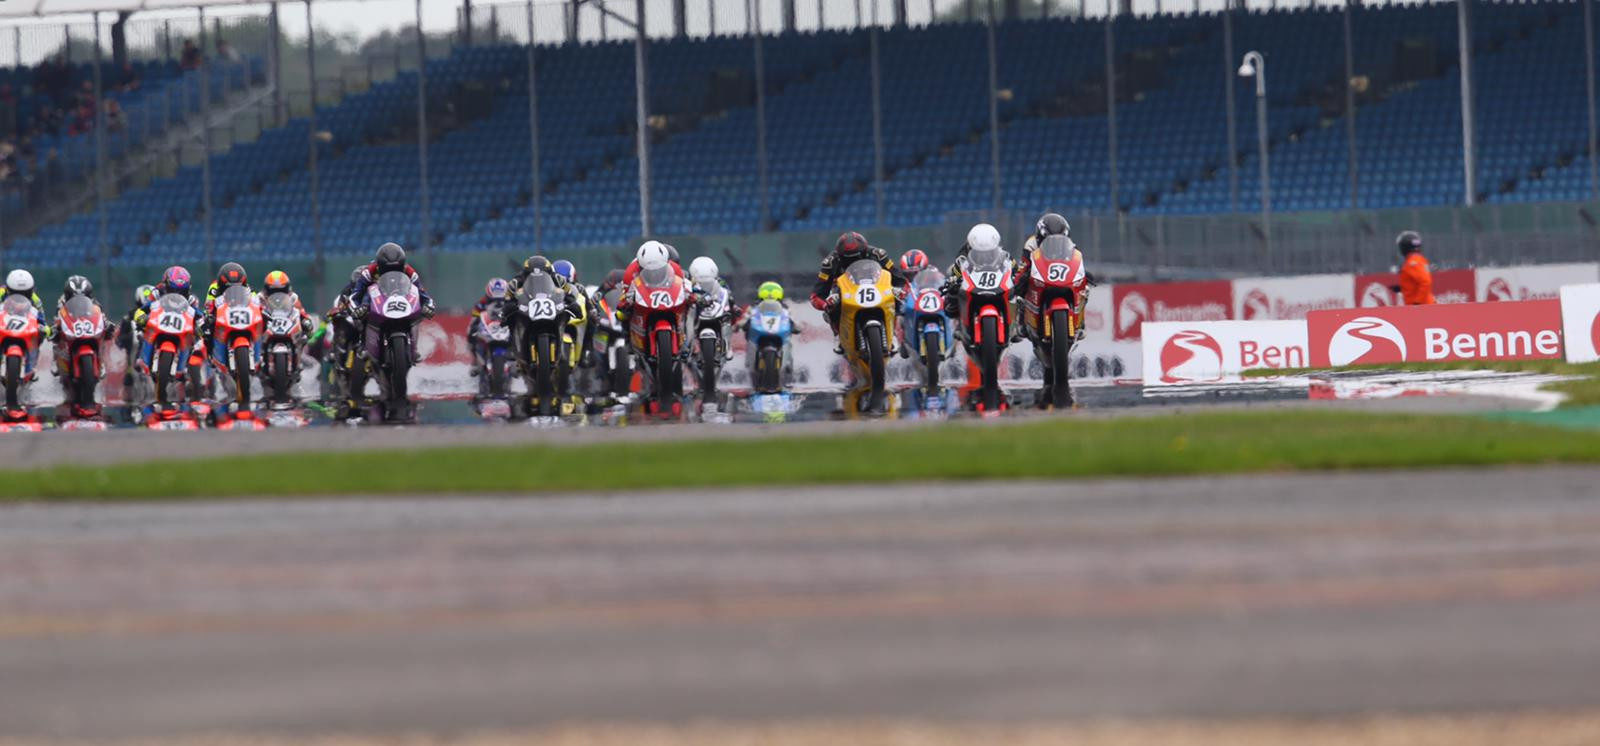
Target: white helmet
[
  {"x": 703, "y": 270},
  {"x": 19, "y": 281},
  {"x": 652, "y": 255},
  {"x": 983, "y": 237}
]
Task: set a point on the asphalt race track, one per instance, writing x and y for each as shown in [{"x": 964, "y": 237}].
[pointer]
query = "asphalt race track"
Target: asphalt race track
[{"x": 1256, "y": 596}]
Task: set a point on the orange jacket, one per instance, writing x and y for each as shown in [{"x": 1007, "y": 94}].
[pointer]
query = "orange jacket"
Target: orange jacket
[{"x": 1416, "y": 281}]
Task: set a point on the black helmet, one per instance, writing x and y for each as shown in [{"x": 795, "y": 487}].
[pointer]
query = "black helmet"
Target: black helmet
[
  {"x": 391, "y": 258},
  {"x": 614, "y": 277},
  {"x": 1051, "y": 224},
  {"x": 538, "y": 263},
  {"x": 356, "y": 275},
  {"x": 78, "y": 285},
  {"x": 672, "y": 251},
  {"x": 850, "y": 244},
  {"x": 231, "y": 274},
  {"x": 1408, "y": 242}
]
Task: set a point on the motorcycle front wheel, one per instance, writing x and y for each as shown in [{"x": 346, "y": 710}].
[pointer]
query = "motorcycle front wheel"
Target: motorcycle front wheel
[
  {"x": 709, "y": 358},
  {"x": 932, "y": 356},
  {"x": 989, "y": 361},
  {"x": 13, "y": 380},
  {"x": 241, "y": 376},
  {"x": 85, "y": 381},
  {"x": 1060, "y": 355}
]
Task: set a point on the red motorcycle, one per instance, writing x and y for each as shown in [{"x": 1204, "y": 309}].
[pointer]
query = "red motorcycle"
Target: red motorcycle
[
  {"x": 19, "y": 338},
  {"x": 985, "y": 308},
  {"x": 655, "y": 331},
  {"x": 81, "y": 326},
  {"x": 1050, "y": 312},
  {"x": 170, "y": 330},
  {"x": 238, "y": 325}
]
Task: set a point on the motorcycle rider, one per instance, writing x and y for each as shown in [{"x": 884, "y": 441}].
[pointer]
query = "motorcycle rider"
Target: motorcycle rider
[
  {"x": 128, "y": 331},
  {"x": 231, "y": 274},
  {"x": 495, "y": 292},
  {"x": 651, "y": 249},
  {"x": 389, "y": 258},
  {"x": 20, "y": 282},
  {"x": 982, "y": 237},
  {"x": 850, "y": 248},
  {"x": 586, "y": 329},
  {"x": 174, "y": 281},
  {"x": 277, "y": 283},
  {"x": 772, "y": 291},
  {"x": 542, "y": 265},
  {"x": 1052, "y": 224},
  {"x": 76, "y": 285},
  {"x": 704, "y": 275}
]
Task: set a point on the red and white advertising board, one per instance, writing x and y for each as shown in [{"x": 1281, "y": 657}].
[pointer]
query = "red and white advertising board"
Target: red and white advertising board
[
  {"x": 1172, "y": 301},
  {"x": 1268, "y": 298},
  {"x": 1537, "y": 282},
  {"x": 1580, "y": 322},
  {"x": 1218, "y": 351},
  {"x": 1449, "y": 286},
  {"x": 1515, "y": 330}
]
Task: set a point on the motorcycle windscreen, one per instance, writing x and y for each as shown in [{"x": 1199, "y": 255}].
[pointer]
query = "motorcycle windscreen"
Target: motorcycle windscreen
[
  {"x": 80, "y": 307},
  {"x": 1056, "y": 248},
  {"x": 279, "y": 303},
  {"x": 771, "y": 307},
  {"x": 18, "y": 305},
  {"x": 660, "y": 277},
  {"x": 928, "y": 279},
  {"x": 391, "y": 284},
  {"x": 539, "y": 284},
  {"x": 174, "y": 303},
  {"x": 987, "y": 259},
  {"x": 236, "y": 297},
  {"x": 864, "y": 272}
]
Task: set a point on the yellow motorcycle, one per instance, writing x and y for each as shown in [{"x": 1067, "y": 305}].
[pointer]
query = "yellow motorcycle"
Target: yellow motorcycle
[{"x": 865, "y": 294}]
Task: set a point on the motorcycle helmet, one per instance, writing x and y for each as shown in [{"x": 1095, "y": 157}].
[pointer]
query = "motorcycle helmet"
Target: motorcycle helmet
[
  {"x": 277, "y": 282},
  {"x": 176, "y": 280},
  {"x": 770, "y": 290},
  {"x": 851, "y": 244},
  {"x": 77, "y": 285},
  {"x": 1409, "y": 242},
  {"x": 672, "y": 252},
  {"x": 538, "y": 263},
  {"x": 983, "y": 237},
  {"x": 19, "y": 281},
  {"x": 144, "y": 294},
  {"x": 703, "y": 270},
  {"x": 357, "y": 275},
  {"x": 652, "y": 255},
  {"x": 231, "y": 274},
  {"x": 914, "y": 260},
  {"x": 565, "y": 270},
  {"x": 497, "y": 288},
  {"x": 390, "y": 258},
  {"x": 1051, "y": 224}
]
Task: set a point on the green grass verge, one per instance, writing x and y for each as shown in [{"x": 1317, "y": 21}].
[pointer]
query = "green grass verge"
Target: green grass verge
[
  {"x": 1584, "y": 391},
  {"x": 1206, "y": 443}
]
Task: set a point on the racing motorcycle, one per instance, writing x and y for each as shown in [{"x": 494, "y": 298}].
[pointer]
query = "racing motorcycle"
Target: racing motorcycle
[
  {"x": 614, "y": 370},
  {"x": 1049, "y": 312},
  {"x": 81, "y": 325},
  {"x": 19, "y": 337},
  {"x": 238, "y": 326},
  {"x": 925, "y": 326},
  {"x": 542, "y": 344},
  {"x": 493, "y": 336},
  {"x": 660, "y": 304},
  {"x": 866, "y": 299},
  {"x": 391, "y": 314},
  {"x": 767, "y": 333},
  {"x": 985, "y": 312},
  {"x": 170, "y": 331},
  {"x": 285, "y": 340},
  {"x": 712, "y": 314}
]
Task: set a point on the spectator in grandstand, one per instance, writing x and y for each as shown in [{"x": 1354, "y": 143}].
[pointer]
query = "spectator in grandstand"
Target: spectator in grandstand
[
  {"x": 1416, "y": 279},
  {"x": 226, "y": 52},
  {"x": 192, "y": 56},
  {"x": 129, "y": 79}
]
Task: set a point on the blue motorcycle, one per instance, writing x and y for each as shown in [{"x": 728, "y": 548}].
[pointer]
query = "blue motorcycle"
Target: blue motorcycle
[
  {"x": 925, "y": 330},
  {"x": 767, "y": 331}
]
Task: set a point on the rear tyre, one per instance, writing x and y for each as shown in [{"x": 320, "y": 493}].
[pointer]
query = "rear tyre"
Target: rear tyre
[
  {"x": 875, "y": 362},
  {"x": 13, "y": 380},
  {"x": 241, "y": 376},
  {"x": 709, "y": 357},
  {"x": 1060, "y": 356},
  {"x": 85, "y": 381},
  {"x": 932, "y": 357},
  {"x": 989, "y": 363}
]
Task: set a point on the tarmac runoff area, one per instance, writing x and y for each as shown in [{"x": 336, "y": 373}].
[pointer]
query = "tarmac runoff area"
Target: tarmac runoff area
[{"x": 1443, "y": 607}]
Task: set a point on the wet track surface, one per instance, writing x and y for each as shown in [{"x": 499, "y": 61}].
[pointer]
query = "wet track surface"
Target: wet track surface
[{"x": 1266, "y": 595}]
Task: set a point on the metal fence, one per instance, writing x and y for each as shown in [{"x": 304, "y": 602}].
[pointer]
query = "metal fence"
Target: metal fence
[{"x": 304, "y": 60}]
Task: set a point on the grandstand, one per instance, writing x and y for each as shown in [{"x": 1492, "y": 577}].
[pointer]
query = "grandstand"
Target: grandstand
[{"x": 1171, "y": 127}]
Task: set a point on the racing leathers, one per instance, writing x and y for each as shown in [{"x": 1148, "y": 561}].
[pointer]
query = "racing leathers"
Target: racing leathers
[
  {"x": 833, "y": 265},
  {"x": 1023, "y": 277},
  {"x": 44, "y": 331}
]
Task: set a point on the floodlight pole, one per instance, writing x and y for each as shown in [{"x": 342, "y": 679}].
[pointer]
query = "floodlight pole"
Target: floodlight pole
[
  {"x": 642, "y": 115},
  {"x": 761, "y": 115},
  {"x": 533, "y": 136},
  {"x": 205, "y": 127},
  {"x": 424, "y": 239},
  {"x": 1469, "y": 156},
  {"x": 994, "y": 117},
  {"x": 311, "y": 142},
  {"x": 100, "y": 160},
  {"x": 1255, "y": 66}
]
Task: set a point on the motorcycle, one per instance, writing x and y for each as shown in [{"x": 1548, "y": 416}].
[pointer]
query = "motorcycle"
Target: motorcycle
[
  {"x": 925, "y": 326},
  {"x": 81, "y": 325},
  {"x": 238, "y": 326},
  {"x": 281, "y": 351},
  {"x": 19, "y": 338},
  {"x": 1049, "y": 312},
  {"x": 660, "y": 304},
  {"x": 170, "y": 330},
  {"x": 542, "y": 343},
  {"x": 985, "y": 312},
  {"x": 711, "y": 318},
  {"x": 493, "y": 336},
  {"x": 389, "y": 333},
  {"x": 767, "y": 353},
  {"x": 866, "y": 299},
  {"x": 614, "y": 371}
]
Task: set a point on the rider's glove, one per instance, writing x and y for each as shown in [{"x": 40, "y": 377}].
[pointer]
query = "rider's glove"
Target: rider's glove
[
  {"x": 428, "y": 309},
  {"x": 818, "y": 303}
]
